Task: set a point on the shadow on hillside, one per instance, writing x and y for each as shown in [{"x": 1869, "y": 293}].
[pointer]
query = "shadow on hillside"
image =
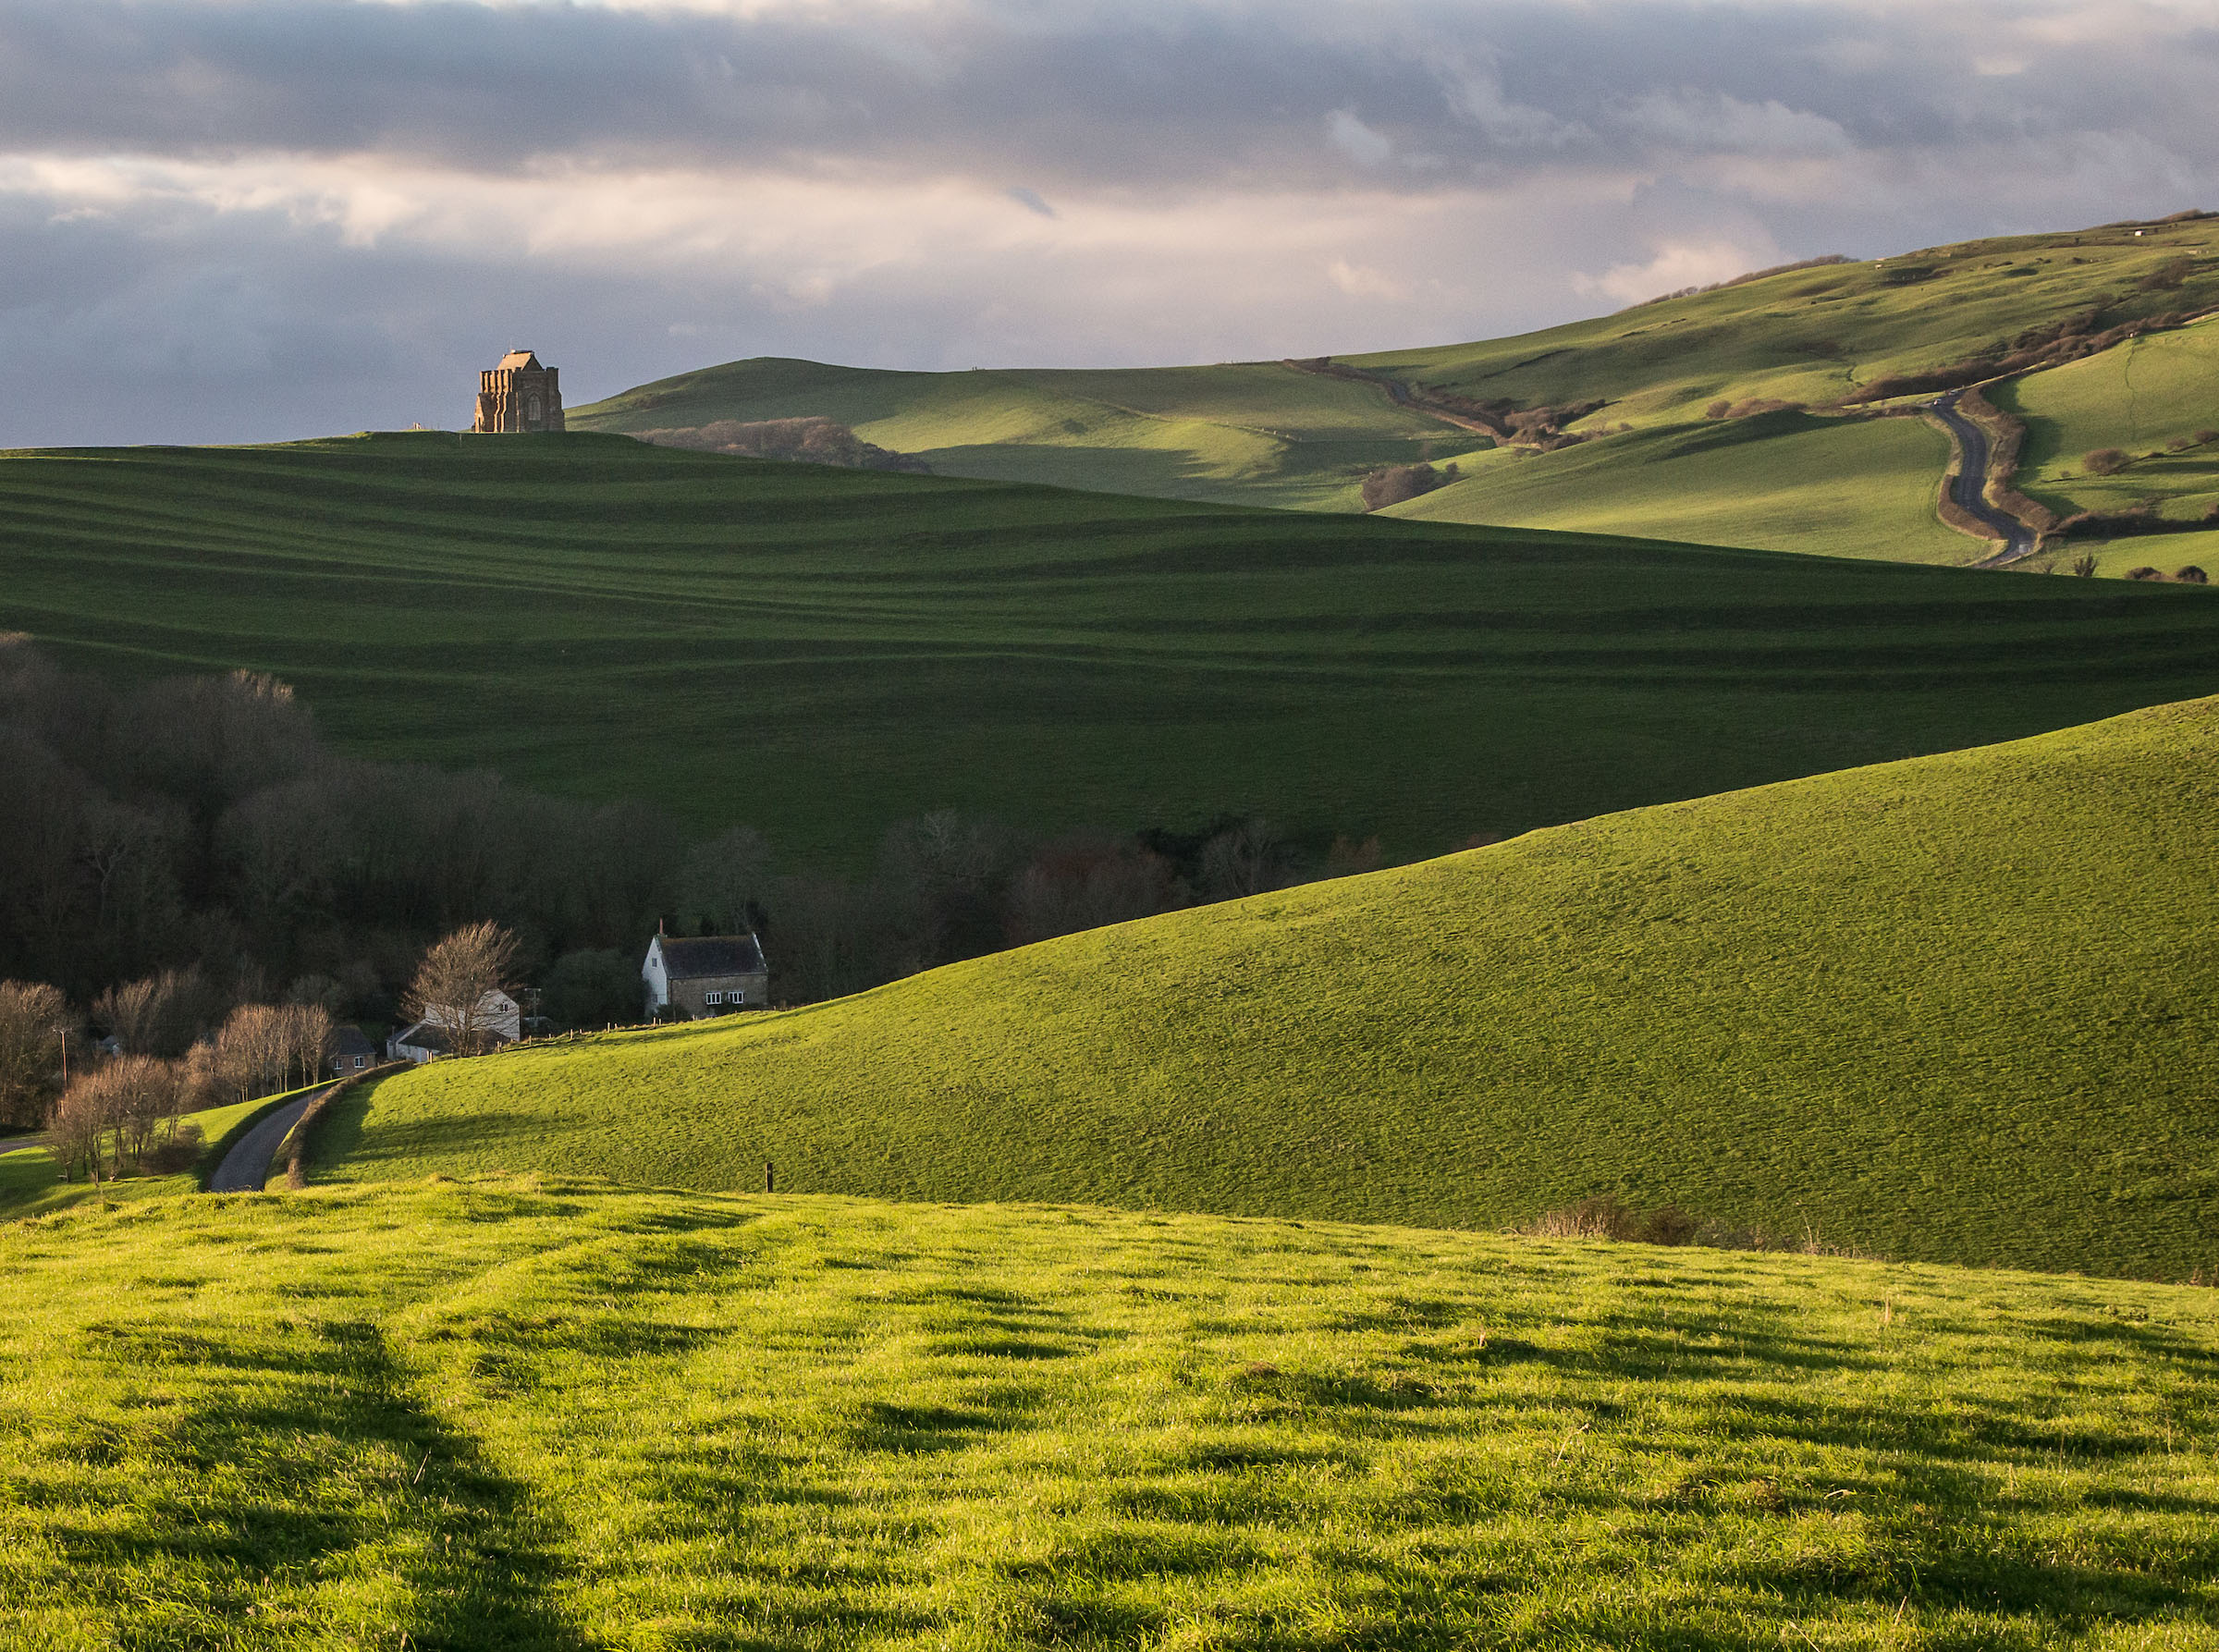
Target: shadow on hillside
[{"x": 302, "y": 1448}]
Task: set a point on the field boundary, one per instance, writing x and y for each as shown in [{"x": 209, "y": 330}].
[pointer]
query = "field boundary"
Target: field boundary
[{"x": 294, "y": 1148}]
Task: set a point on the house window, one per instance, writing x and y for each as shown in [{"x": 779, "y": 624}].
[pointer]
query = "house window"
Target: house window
[
  {"x": 714, "y": 997},
  {"x": 358, "y": 1063}
]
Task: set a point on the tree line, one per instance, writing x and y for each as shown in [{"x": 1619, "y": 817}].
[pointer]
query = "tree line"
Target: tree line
[{"x": 184, "y": 864}]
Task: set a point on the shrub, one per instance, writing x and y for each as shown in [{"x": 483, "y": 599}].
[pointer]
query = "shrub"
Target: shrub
[
  {"x": 2206, "y": 437},
  {"x": 2084, "y": 566},
  {"x": 1606, "y": 1216},
  {"x": 2168, "y": 275},
  {"x": 2144, "y": 573},
  {"x": 2191, "y": 575},
  {"x": 2105, "y": 462},
  {"x": 1718, "y": 409},
  {"x": 176, "y": 1153},
  {"x": 1398, "y": 482}
]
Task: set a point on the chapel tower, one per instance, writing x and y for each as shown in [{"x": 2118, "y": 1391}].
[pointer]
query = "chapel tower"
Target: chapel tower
[{"x": 518, "y": 395}]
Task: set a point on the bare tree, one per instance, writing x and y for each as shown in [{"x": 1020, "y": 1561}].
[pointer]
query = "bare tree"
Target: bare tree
[
  {"x": 307, "y": 1031},
  {"x": 252, "y": 1050},
  {"x": 34, "y": 1025},
  {"x": 455, "y": 985},
  {"x": 1085, "y": 881},
  {"x": 78, "y": 1135}
]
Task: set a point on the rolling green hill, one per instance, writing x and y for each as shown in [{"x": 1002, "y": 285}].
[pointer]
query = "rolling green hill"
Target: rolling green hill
[
  {"x": 547, "y": 1416},
  {"x": 1289, "y": 434},
  {"x": 1784, "y": 480},
  {"x": 1954, "y": 1009},
  {"x": 819, "y": 652}
]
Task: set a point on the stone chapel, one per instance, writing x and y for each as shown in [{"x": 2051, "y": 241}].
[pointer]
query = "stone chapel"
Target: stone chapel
[{"x": 518, "y": 395}]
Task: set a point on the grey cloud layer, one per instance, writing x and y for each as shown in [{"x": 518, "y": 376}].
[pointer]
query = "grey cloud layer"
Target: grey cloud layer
[
  {"x": 246, "y": 219},
  {"x": 1135, "y": 97}
]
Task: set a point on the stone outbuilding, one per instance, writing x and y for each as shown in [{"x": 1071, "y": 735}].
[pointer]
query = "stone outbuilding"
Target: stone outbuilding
[
  {"x": 709, "y": 974},
  {"x": 352, "y": 1052},
  {"x": 518, "y": 395}
]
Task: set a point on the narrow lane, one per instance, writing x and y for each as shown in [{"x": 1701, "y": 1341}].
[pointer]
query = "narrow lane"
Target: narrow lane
[
  {"x": 1968, "y": 488},
  {"x": 247, "y": 1166}
]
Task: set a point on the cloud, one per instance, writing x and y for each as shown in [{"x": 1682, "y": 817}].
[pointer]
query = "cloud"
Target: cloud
[
  {"x": 1357, "y": 141},
  {"x": 1673, "y": 267},
  {"x": 642, "y": 182}
]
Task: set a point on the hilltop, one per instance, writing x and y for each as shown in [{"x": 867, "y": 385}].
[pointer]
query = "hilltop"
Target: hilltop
[
  {"x": 819, "y": 652},
  {"x": 1661, "y": 420},
  {"x": 1952, "y": 1009},
  {"x": 548, "y": 1416}
]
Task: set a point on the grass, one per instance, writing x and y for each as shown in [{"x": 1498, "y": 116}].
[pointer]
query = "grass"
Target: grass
[
  {"x": 1247, "y": 433},
  {"x": 1816, "y": 335},
  {"x": 1779, "y": 482},
  {"x": 2142, "y": 398},
  {"x": 550, "y": 1415},
  {"x": 818, "y": 653},
  {"x": 31, "y": 1181},
  {"x": 1950, "y": 1010},
  {"x": 1267, "y": 433}
]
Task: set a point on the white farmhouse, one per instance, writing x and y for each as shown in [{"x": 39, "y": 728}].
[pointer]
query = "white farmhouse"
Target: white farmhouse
[
  {"x": 499, "y": 1016},
  {"x": 708, "y": 974}
]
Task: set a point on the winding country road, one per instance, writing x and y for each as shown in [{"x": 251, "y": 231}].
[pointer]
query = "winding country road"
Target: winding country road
[
  {"x": 247, "y": 1166},
  {"x": 1966, "y": 488}
]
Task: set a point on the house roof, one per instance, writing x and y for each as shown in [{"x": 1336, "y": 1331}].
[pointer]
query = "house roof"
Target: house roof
[
  {"x": 519, "y": 358},
  {"x": 710, "y": 956},
  {"x": 350, "y": 1041},
  {"x": 425, "y": 1035},
  {"x": 431, "y": 1036}
]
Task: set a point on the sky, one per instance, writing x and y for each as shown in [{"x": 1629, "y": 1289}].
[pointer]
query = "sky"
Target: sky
[{"x": 249, "y": 220}]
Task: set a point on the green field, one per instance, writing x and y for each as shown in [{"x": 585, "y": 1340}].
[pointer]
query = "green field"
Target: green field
[
  {"x": 1248, "y": 433},
  {"x": 1951, "y": 1009},
  {"x": 552, "y": 1416},
  {"x": 31, "y": 1181},
  {"x": 2150, "y": 399},
  {"x": 1780, "y": 482},
  {"x": 818, "y": 653},
  {"x": 1268, "y": 433}
]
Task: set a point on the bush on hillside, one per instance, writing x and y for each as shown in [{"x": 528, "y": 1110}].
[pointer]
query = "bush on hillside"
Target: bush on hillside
[
  {"x": 2191, "y": 575},
  {"x": 2144, "y": 573},
  {"x": 1398, "y": 482},
  {"x": 2168, "y": 275},
  {"x": 2106, "y": 461}
]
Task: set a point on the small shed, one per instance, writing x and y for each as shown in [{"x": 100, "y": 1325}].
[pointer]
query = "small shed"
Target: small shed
[{"x": 707, "y": 974}]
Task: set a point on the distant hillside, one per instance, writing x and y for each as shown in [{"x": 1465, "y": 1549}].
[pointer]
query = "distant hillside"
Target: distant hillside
[
  {"x": 1644, "y": 393},
  {"x": 819, "y": 652},
  {"x": 1954, "y": 1009}
]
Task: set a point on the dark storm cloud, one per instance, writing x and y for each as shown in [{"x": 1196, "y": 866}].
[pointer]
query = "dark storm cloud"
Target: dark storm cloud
[{"x": 1137, "y": 96}]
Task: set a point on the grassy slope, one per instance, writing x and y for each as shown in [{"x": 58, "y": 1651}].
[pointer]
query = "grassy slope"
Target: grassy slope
[
  {"x": 1951, "y": 1009},
  {"x": 2142, "y": 398},
  {"x": 31, "y": 1180},
  {"x": 1251, "y": 433},
  {"x": 1783, "y": 482},
  {"x": 551, "y": 1417},
  {"x": 1267, "y": 433},
  {"x": 819, "y": 652}
]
